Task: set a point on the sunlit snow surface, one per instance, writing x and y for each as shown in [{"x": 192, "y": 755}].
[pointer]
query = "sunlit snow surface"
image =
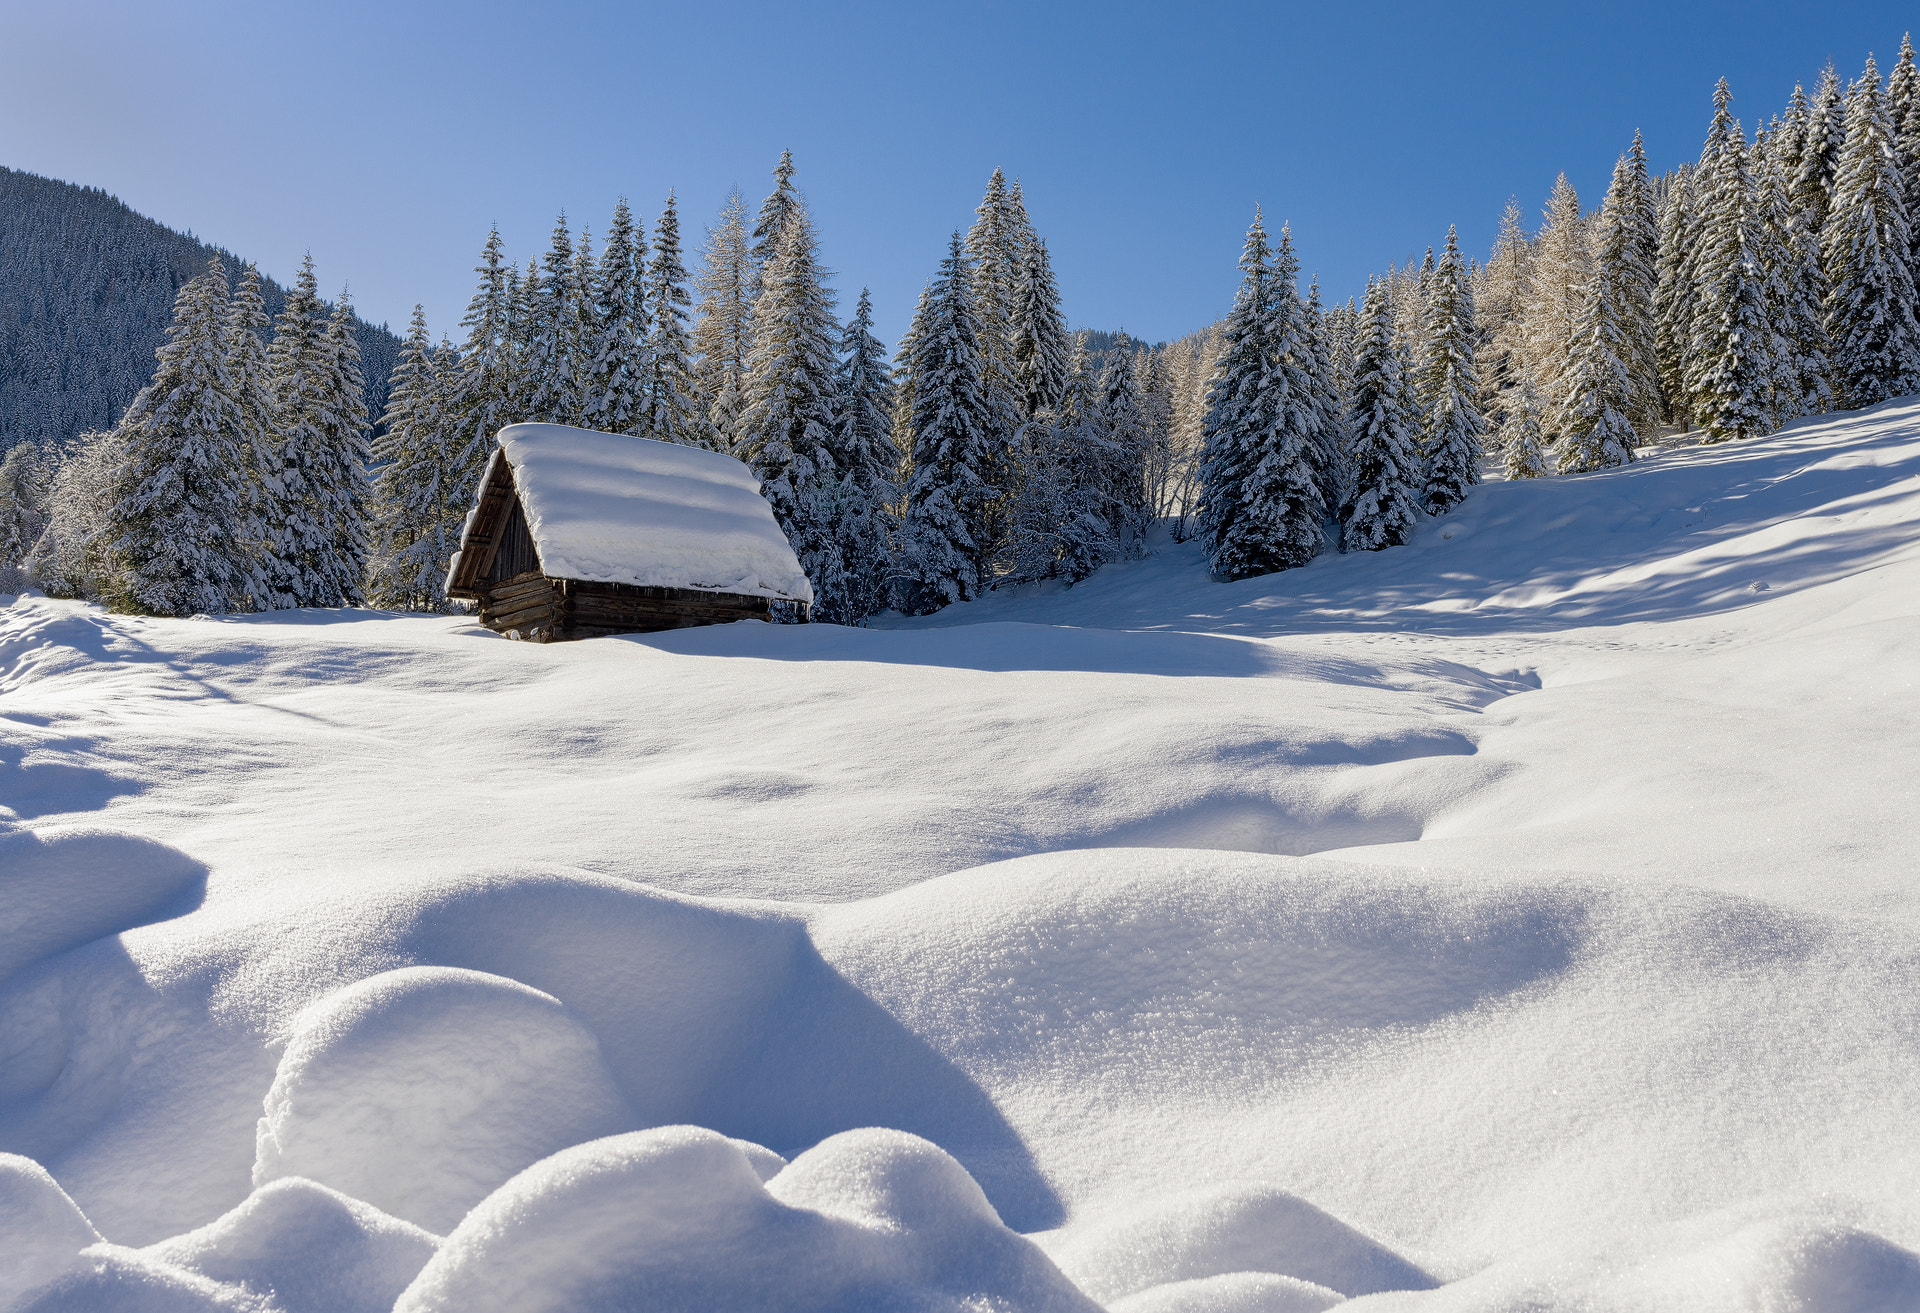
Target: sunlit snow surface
[{"x": 1523, "y": 919}]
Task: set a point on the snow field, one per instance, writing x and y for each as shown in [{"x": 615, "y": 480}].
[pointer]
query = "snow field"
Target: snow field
[{"x": 352, "y": 961}]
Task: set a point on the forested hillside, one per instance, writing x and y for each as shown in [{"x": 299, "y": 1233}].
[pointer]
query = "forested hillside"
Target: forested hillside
[{"x": 86, "y": 293}]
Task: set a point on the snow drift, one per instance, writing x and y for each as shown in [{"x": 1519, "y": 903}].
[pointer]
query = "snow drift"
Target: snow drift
[{"x": 990, "y": 963}]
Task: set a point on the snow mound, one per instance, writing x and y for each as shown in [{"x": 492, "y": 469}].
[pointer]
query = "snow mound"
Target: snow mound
[
  {"x": 1737, "y": 1261},
  {"x": 614, "y": 509},
  {"x": 42, "y": 1231},
  {"x": 420, "y": 1090},
  {"x": 677, "y": 1218},
  {"x": 1244, "y": 1228},
  {"x": 65, "y": 891},
  {"x": 312, "y": 1249},
  {"x": 1231, "y": 1292}
]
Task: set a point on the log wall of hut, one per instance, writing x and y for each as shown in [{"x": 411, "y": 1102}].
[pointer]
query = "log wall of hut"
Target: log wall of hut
[{"x": 534, "y": 607}]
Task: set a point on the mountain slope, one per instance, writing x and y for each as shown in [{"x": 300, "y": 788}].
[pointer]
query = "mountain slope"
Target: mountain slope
[{"x": 86, "y": 294}]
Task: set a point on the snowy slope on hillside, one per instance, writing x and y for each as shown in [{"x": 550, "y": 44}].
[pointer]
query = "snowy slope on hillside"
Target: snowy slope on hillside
[{"x": 358, "y": 961}]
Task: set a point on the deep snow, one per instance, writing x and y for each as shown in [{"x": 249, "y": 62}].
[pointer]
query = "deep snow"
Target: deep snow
[{"x": 1523, "y": 918}]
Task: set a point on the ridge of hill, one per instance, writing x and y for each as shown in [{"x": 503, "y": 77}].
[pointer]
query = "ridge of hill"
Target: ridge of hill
[{"x": 86, "y": 293}]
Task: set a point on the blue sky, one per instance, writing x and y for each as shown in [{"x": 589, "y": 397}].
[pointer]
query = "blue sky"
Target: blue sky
[{"x": 387, "y": 138}]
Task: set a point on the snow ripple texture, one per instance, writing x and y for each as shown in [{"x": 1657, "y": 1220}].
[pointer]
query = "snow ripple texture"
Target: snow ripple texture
[{"x": 1520, "y": 919}]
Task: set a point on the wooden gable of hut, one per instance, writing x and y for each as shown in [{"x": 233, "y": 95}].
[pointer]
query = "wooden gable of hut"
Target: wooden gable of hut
[{"x": 576, "y": 533}]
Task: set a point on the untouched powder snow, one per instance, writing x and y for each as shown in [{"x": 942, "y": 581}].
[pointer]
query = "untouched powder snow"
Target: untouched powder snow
[
  {"x": 609, "y": 508},
  {"x": 1520, "y": 919}
]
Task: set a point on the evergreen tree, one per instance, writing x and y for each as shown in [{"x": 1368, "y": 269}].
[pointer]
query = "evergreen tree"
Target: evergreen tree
[
  {"x": 1522, "y": 444},
  {"x": 1598, "y": 434},
  {"x": 614, "y": 385},
  {"x": 25, "y": 483},
  {"x": 339, "y": 490},
  {"x": 1674, "y": 295},
  {"x": 552, "y": 336},
  {"x": 994, "y": 246},
  {"x": 1731, "y": 335},
  {"x": 1121, "y": 424},
  {"x": 1456, "y": 426},
  {"x": 1820, "y": 145},
  {"x": 483, "y": 400},
  {"x": 769, "y": 230},
  {"x": 723, "y": 325},
  {"x": 1866, "y": 243},
  {"x": 946, "y": 547},
  {"x": 250, "y": 376},
  {"x": 415, "y": 500},
  {"x": 868, "y": 463},
  {"x": 1380, "y": 510},
  {"x": 296, "y": 543},
  {"x": 1626, "y": 251},
  {"x": 787, "y": 432},
  {"x": 180, "y": 518},
  {"x": 1041, "y": 351},
  {"x": 1260, "y": 503},
  {"x": 1501, "y": 301},
  {"x": 1561, "y": 264},
  {"x": 1329, "y": 401},
  {"x": 673, "y": 412},
  {"x": 1795, "y": 293}
]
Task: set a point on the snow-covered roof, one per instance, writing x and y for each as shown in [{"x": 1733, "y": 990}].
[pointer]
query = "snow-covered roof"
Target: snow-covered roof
[{"x": 607, "y": 508}]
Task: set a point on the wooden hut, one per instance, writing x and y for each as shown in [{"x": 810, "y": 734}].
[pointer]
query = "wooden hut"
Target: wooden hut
[{"x": 576, "y": 533}]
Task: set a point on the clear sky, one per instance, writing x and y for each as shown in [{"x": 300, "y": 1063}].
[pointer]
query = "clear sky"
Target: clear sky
[{"x": 387, "y": 138}]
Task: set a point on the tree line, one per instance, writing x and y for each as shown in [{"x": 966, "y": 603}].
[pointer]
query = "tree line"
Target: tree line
[{"x": 1771, "y": 279}]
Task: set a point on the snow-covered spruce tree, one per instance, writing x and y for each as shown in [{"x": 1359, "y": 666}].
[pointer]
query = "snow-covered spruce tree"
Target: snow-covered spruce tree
[
  {"x": 295, "y": 541},
  {"x": 483, "y": 397},
  {"x": 25, "y": 483},
  {"x": 1820, "y": 143},
  {"x": 1380, "y": 509},
  {"x": 1240, "y": 411},
  {"x": 723, "y": 321},
  {"x": 339, "y": 491},
  {"x": 1329, "y": 401},
  {"x": 1121, "y": 424},
  {"x": 1260, "y": 507},
  {"x": 1156, "y": 418},
  {"x": 1626, "y": 249},
  {"x": 1598, "y": 434},
  {"x": 1456, "y": 426},
  {"x": 770, "y": 228},
  {"x": 1674, "y": 295},
  {"x": 674, "y": 412},
  {"x": 1731, "y": 335},
  {"x": 787, "y": 431},
  {"x": 73, "y": 556},
  {"x": 179, "y": 522},
  {"x": 1866, "y": 243},
  {"x": 250, "y": 375},
  {"x": 583, "y": 331},
  {"x": 905, "y": 352},
  {"x": 1522, "y": 444},
  {"x": 1795, "y": 289},
  {"x": 614, "y": 384},
  {"x": 1040, "y": 347},
  {"x": 413, "y": 502},
  {"x": 994, "y": 247},
  {"x": 1903, "y": 94},
  {"x": 1561, "y": 263},
  {"x": 552, "y": 335},
  {"x": 1062, "y": 520},
  {"x": 945, "y": 544},
  {"x": 1501, "y": 302},
  {"x": 868, "y": 463}
]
